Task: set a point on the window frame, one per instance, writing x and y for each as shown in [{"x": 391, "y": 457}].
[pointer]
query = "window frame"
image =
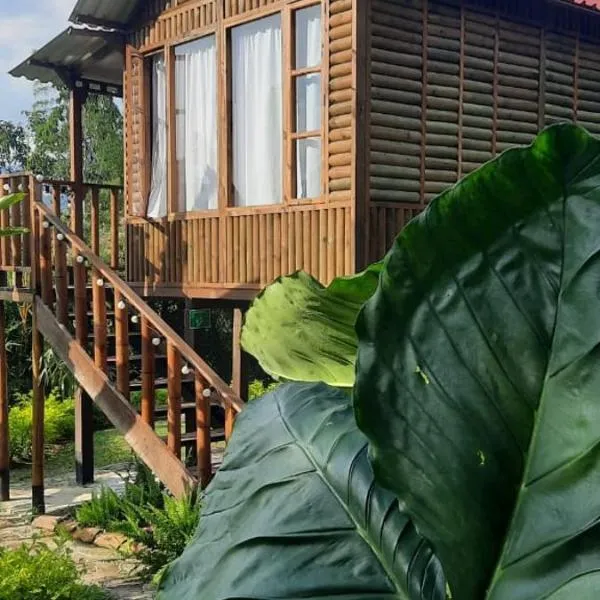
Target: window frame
[{"x": 221, "y": 29}]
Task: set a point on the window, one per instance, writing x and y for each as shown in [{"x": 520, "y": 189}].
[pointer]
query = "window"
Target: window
[
  {"x": 257, "y": 123},
  {"x": 157, "y": 200},
  {"x": 306, "y": 89},
  {"x": 196, "y": 124}
]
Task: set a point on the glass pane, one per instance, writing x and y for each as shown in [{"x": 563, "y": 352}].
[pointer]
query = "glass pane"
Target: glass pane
[
  {"x": 257, "y": 123},
  {"x": 308, "y": 102},
  {"x": 308, "y": 37},
  {"x": 157, "y": 201},
  {"x": 308, "y": 168},
  {"x": 196, "y": 124}
]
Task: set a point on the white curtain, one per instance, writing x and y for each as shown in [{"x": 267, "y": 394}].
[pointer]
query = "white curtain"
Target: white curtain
[
  {"x": 308, "y": 102},
  {"x": 157, "y": 201},
  {"x": 196, "y": 127},
  {"x": 257, "y": 125}
]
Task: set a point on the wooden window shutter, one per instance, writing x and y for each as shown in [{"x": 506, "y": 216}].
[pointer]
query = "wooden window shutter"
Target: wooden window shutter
[{"x": 138, "y": 133}]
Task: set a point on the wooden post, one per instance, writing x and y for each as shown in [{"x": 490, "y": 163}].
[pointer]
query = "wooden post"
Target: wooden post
[
  {"x": 45, "y": 258},
  {"x": 239, "y": 370},
  {"x": 4, "y": 448},
  {"x": 84, "y": 423},
  {"x": 203, "y": 448},
  {"x": 174, "y": 402},
  {"x": 122, "y": 345},
  {"x": 147, "y": 373},
  {"x": 37, "y": 428}
]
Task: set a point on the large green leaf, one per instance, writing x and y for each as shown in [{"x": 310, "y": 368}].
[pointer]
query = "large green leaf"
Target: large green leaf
[
  {"x": 10, "y": 199},
  {"x": 294, "y": 513},
  {"x": 301, "y": 331},
  {"x": 479, "y": 373}
]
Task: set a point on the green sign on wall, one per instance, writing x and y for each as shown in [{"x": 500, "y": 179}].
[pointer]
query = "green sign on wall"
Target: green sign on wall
[{"x": 198, "y": 318}]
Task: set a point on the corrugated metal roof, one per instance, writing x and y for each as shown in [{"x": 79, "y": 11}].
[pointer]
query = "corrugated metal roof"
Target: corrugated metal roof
[
  {"x": 79, "y": 57},
  {"x": 116, "y": 14}
]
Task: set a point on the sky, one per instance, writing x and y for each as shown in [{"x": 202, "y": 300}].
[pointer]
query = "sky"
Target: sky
[{"x": 25, "y": 25}]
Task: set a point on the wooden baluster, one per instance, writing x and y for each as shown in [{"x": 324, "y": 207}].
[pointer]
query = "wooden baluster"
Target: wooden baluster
[
  {"x": 203, "y": 448},
  {"x": 114, "y": 229},
  {"x": 148, "y": 382},
  {"x": 174, "y": 405},
  {"x": 95, "y": 222},
  {"x": 45, "y": 263},
  {"x": 27, "y": 190},
  {"x": 99, "y": 313},
  {"x": 4, "y": 432},
  {"x": 60, "y": 266},
  {"x": 15, "y": 240},
  {"x": 3, "y": 225},
  {"x": 122, "y": 345}
]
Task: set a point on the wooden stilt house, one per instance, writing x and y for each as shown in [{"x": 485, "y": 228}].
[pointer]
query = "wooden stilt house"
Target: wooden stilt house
[{"x": 262, "y": 136}]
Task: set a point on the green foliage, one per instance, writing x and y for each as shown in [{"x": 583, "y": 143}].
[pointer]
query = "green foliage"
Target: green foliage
[
  {"x": 300, "y": 330},
  {"x": 477, "y": 391},
  {"x": 258, "y": 388},
  {"x": 35, "y": 572},
  {"x": 487, "y": 382},
  {"x": 295, "y": 512},
  {"x": 161, "y": 526},
  {"x": 59, "y": 423},
  {"x": 13, "y": 147}
]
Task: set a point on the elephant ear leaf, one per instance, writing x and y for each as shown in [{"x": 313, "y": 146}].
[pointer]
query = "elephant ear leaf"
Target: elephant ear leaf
[
  {"x": 483, "y": 343},
  {"x": 300, "y": 330},
  {"x": 294, "y": 513}
]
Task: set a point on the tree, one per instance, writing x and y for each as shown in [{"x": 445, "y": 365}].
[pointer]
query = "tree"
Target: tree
[
  {"x": 13, "y": 147},
  {"x": 48, "y": 131}
]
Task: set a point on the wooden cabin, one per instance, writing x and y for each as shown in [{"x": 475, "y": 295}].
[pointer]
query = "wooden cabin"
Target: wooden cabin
[{"x": 266, "y": 136}]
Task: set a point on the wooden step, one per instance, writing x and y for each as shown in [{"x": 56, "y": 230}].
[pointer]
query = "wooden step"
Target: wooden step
[
  {"x": 135, "y": 357},
  {"x": 189, "y": 439},
  {"x": 159, "y": 382}
]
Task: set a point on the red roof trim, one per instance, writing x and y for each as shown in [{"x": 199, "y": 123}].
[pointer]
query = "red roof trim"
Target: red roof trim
[{"x": 587, "y": 3}]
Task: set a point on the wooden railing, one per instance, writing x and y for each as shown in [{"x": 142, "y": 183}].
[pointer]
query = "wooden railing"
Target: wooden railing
[
  {"x": 95, "y": 211},
  {"x": 56, "y": 250},
  {"x": 15, "y": 257}
]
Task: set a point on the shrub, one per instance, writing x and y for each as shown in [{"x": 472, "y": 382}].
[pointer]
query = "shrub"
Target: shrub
[
  {"x": 35, "y": 572},
  {"x": 160, "y": 525},
  {"x": 258, "y": 388},
  {"x": 59, "y": 423}
]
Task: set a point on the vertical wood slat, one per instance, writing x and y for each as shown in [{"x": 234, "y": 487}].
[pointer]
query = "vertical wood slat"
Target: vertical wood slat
[
  {"x": 45, "y": 259},
  {"x": 99, "y": 316},
  {"x": 239, "y": 371},
  {"x": 25, "y": 182},
  {"x": 95, "y": 221},
  {"x": 174, "y": 401},
  {"x": 122, "y": 345},
  {"x": 15, "y": 240},
  {"x": 114, "y": 229},
  {"x": 148, "y": 383},
  {"x": 60, "y": 266},
  {"x": 4, "y": 430},
  {"x": 203, "y": 448},
  {"x": 4, "y": 241}
]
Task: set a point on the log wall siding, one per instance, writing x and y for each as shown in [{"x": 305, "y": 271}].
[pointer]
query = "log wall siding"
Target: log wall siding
[
  {"x": 341, "y": 101},
  {"x": 455, "y": 83}
]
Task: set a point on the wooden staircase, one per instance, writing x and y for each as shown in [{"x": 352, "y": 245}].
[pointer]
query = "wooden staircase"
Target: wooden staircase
[{"x": 114, "y": 343}]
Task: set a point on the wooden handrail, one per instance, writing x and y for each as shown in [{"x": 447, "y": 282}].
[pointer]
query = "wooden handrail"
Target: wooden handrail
[{"x": 229, "y": 399}]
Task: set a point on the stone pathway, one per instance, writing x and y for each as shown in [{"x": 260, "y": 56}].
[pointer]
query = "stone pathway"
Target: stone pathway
[{"x": 102, "y": 567}]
